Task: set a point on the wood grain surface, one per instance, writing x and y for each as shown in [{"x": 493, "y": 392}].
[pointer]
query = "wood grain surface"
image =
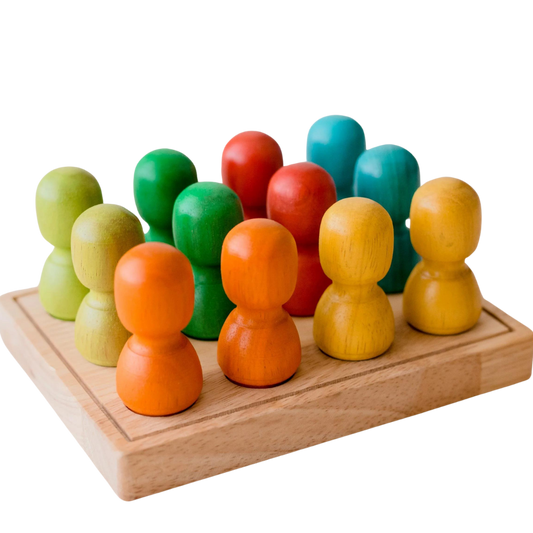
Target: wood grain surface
[{"x": 231, "y": 426}]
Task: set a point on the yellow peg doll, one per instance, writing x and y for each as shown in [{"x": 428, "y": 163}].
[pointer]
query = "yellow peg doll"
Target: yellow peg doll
[
  {"x": 442, "y": 296},
  {"x": 353, "y": 319}
]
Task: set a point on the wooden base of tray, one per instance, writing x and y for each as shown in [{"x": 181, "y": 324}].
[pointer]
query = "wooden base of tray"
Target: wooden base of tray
[{"x": 231, "y": 426}]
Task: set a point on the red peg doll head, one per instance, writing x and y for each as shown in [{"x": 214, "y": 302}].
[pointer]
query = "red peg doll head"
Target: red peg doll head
[{"x": 248, "y": 162}]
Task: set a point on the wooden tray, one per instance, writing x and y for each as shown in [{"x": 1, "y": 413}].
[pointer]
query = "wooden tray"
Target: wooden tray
[{"x": 231, "y": 426}]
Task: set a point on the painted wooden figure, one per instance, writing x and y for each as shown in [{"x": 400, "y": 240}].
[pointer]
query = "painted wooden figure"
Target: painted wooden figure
[
  {"x": 62, "y": 196},
  {"x": 298, "y": 196},
  {"x": 249, "y": 161},
  {"x": 442, "y": 295},
  {"x": 159, "y": 178},
  {"x": 158, "y": 372},
  {"x": 354, "y": 319},
  {"x": 100, "y": 237},
  {"x": 259, "y": 345},
  {"x": 335, "y": 142},
  {"x": 389, "y": 175},
  {"x": 203, "y": 214}
]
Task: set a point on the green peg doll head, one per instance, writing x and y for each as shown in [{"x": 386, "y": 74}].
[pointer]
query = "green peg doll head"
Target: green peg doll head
[{"x": 157, "y": 178}]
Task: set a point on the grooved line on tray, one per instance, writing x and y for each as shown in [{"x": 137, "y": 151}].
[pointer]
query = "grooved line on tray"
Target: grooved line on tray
[{"x": 70, "y": 369}]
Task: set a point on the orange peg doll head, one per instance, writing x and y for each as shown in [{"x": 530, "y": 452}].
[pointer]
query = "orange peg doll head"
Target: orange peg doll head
[{"x": 259, "y": 264}]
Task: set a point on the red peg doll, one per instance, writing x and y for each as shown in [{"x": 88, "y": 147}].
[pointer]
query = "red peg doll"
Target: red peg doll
[
  {"x": 298, "y": 196},
  {"x": 248, "y": 162}
]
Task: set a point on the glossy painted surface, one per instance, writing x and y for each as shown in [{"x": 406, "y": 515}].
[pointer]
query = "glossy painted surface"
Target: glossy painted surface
[
  {"x": 62, "y": 196},
  {"x": 158, "y": 372},
  {"x": 259, "y": 344},
  {"x": 159, "y": 178},
  {"x": 390, "y": 175},
  {"x": 203, "y": 214},
  {"x": 298, "y": 196},
  {"x": 442, "y": 295},
  {"x": 335, "y": 142},
  {"x": 354, "y": 319},
  {"x": 249, "y": 161},
  {"x": 100, "y": 237}
]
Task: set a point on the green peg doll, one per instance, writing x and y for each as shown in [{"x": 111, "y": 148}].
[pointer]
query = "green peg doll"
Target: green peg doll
[
  {"x": 159, "y": 178},
  {"x": 203, "y": 214}
]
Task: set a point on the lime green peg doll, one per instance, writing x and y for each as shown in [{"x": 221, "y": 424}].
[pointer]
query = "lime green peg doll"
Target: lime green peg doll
[
  {"x": 62, "y": 195},
  {"x": 159, "y": 178},
  {"x": 100, "y": 237}
]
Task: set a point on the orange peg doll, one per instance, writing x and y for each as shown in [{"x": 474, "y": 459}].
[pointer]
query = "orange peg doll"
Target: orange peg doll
[
  {"x": 259, "y": 345},
  {"x": 158, "y": 371}
]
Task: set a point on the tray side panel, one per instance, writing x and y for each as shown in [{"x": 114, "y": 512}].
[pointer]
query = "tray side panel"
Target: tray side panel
[
  {"x": 506, "y": 365},
  {"x": 69, "y": 400}
]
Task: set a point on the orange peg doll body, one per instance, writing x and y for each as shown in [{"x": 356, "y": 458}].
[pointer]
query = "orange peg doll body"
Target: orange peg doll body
[
  {"x": 259, "y": 345},
  {"x": 158, "y": 372}
]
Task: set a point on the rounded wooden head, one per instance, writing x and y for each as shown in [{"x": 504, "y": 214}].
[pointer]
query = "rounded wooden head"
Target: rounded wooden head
[
  {"x": 259, "y": 264},
  {"x": 203, "y": 214},
  {"x": 390, "y": 176},
  {"x": 356, "y": 242},
  {"x": 249, "y": 161},
  {"x": 62, "y": 196},
  {"x": 159, "y": 178},
  {"x": 298, "y": 196},
  {"x": 154, "y": 290},
  {"x": 445, "y": 220},
  {"x": 335, "y": 142},
  {"x": 100, "y": 237}
]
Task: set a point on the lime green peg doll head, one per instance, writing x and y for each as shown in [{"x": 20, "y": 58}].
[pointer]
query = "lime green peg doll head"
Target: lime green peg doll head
[
  {"x": 62, "y": 195},
  {"x": 159, "y": 178}
]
